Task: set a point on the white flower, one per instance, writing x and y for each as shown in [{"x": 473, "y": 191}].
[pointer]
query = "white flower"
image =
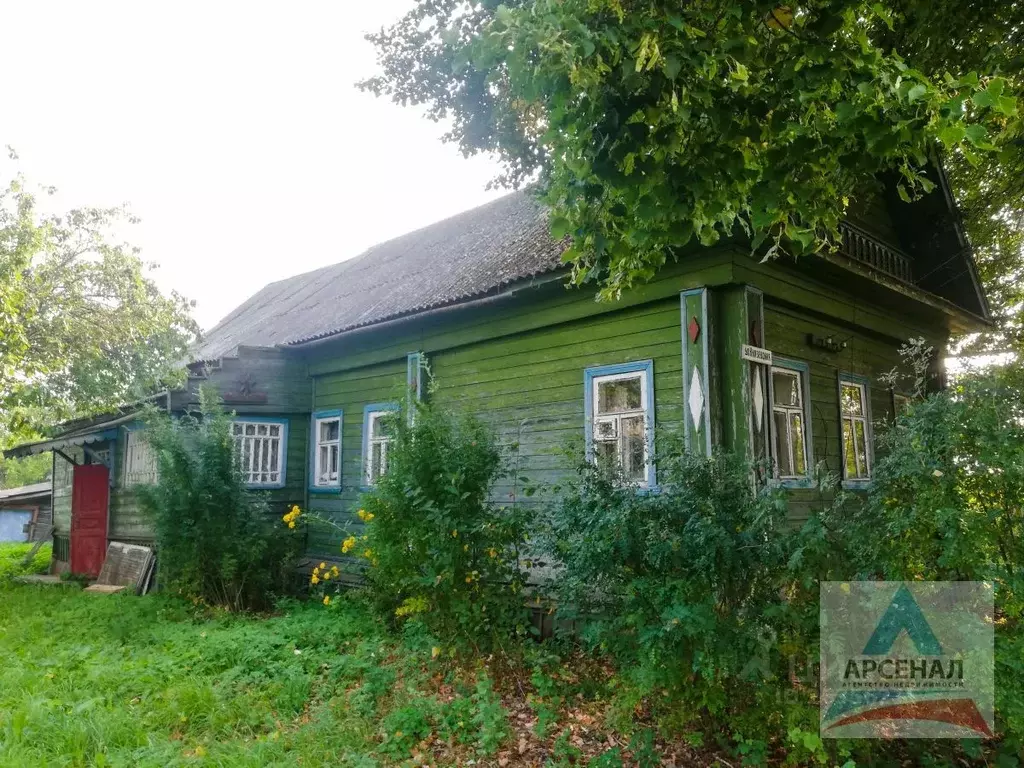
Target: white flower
[
  {"x": 937, "y": 473},
  {"x": 298, "y": 652}
]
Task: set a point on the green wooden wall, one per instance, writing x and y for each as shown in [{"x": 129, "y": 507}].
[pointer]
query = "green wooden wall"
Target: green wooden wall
[{"x": 520, "y": 365}]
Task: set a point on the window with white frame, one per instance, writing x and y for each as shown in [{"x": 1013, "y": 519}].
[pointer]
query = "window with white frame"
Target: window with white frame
[
  {"x": 621, "y": 421},
  {"x": 139, "y": 459},
  {"x": 853, "y": 407},
  {"x": 378, "y": 436},
  {"x": 261, "y": 450},
  {"x": 789, "y": 423},
  {"x": 327, "y": 456}
]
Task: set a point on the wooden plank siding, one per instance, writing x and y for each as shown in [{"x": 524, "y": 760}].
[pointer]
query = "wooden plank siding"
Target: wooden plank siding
[{"x": 520, "y": 366}]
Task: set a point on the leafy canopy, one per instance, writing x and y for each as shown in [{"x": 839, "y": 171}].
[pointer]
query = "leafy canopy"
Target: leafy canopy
[
  {"x": 654, "y": 124},
  {"x": 83, "y": 326}
]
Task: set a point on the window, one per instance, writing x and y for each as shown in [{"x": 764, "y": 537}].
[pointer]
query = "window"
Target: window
[
  {"x": 789, "y": 421},
  {"x": 377, "y": 438},
  {"x": 261, "y": 451},
  {"x": 327, "y": 449},
  {"x": 853, "y": 408},
  {"x": 139, "y": 459},
  {"x": 620, "y": 416}
]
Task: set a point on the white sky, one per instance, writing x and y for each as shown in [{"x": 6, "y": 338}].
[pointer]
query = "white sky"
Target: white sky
[{"x": 233, "y": 129}]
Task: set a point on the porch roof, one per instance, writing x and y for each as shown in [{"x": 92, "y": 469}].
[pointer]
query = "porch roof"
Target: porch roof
[{"x": 97, "y": 431}]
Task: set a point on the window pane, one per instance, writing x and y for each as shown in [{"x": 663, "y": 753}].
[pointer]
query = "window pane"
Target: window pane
[
  {"x": 376, "y": 460},
  {"x": 250, "y": 429},
  {"x": 606, "y": 454},
  {"x": 606, "y": 429},
  {"x": 782, "y": 444},
  {"x": 261, "y": 429},
  {"x": 796, "y": 424},
  {"x": 329, "y": 431},
  {"x": 619, "y": 395},
  {"x": 862, "y": 447},
  {"x": 323, "y": 463},
  {"x": 379, "y": 424},
  {"x": 849, "y": 454},
  {"x": 786, "y": 389},
  {"x": 851, "y": 400},
  {"x": 333, "y": 463},
  {"x": 633, "y": 448},
  {"x": 236, "y": 429},
  {"x": 274, "y": 430}
]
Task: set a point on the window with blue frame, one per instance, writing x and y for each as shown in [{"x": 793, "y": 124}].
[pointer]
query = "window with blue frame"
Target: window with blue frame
[
  {"x": 855, "y": 413},
  {"x": 326, "y": 460},
  {"x": 262, "y": 449},
  {"x": 377, "y": 436},
  {"x": 619, "y": 403},
  {"x": 791, "y": 444}
]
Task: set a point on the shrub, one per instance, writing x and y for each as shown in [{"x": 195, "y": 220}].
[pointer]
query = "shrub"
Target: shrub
[
  {"x": 216, "y": 540},
  {"x": 12, "y": 560},
  {"x": 437, "y": 550},
  {"x": 697, "y": 590}
]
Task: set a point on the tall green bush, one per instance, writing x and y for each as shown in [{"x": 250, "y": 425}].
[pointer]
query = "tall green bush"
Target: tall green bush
[
  {"x": 698, "y": 591},
  {"x": 217, "y": 541},
  {"x": 438, "y": 550}
]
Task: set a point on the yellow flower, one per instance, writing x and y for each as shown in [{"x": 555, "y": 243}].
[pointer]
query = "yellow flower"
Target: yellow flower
[
  {"x": 455, "y": 534},
  {"x": 314, "y": 579},
  {"x": 327, "y": 576},
  {"x": 365, "y": 516},
  {"x": 435, "y": 652},
  {"x": 291, "y": 523},
  {"x": 322, "y": 566},
  {"x": 348, "y": 544},
  {"x": 335, "y": 571},
  {"x": 368, "y": 554},
  {"x": 327, "y": 599}
]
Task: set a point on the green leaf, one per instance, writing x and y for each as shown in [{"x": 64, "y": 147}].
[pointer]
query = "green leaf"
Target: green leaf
[
  {"x": 560, "y": 227},
  {"x": 952, "y": 135},
  {"x": 917, "y": 92},
  {"x": 976, "y": 134}
]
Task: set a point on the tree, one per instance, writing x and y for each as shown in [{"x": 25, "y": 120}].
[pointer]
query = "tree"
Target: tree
[
  {"x": 83, "y": 327},
  {"x": 651, "y": 124}
]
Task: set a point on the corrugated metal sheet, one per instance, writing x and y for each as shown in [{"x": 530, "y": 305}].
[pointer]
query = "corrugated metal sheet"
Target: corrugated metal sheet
[{"x": 459, "y": 258}]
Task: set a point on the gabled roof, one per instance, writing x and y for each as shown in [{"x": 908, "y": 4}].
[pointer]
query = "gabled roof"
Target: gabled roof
[{"x": 468, "y": 255}]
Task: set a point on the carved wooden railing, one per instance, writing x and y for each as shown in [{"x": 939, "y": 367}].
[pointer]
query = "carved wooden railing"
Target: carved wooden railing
[{"x": 860, "y": 246}]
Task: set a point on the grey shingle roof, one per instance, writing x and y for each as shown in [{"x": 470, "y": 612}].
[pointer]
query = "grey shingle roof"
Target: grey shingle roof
[{"x": 468, "y": 255}]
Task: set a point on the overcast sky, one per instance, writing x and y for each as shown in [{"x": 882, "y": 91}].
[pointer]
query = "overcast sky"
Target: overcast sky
[{"x": 233, "y": 129}]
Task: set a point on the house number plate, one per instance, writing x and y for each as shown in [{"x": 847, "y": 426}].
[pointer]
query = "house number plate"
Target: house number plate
[{"x": 756, "y": 354}]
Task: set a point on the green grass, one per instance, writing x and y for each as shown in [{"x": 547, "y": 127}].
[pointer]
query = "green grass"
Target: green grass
[
  {"x": 12, "y": 557},
  {"x": 124, "y": 681},
  {"x": 120, "y": 680}
]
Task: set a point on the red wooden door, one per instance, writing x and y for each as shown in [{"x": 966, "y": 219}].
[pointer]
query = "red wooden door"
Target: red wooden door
[{"x": 89, "y": 495}]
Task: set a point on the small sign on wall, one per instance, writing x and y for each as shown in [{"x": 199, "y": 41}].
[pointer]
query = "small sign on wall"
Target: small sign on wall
[{"x": 756, "y": 354}]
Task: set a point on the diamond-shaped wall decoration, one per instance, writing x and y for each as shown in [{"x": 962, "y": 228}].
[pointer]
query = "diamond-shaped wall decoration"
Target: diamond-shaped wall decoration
[
  {"x": 694, "y": 330},
  {"x": 696, "y": 399},
  {"x": 758, "y": 397}
]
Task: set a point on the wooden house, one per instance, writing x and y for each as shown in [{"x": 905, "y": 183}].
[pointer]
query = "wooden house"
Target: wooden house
[{"x": 778, "y": 360}]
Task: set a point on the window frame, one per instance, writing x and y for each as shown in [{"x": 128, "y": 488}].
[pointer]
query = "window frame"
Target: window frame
[
  {"x": 369, "y": 412},
  {"x": 282, "y": 453},
  {"x": 126, "y": 480},
  {"x": 862, "y": 382},
  {"x": 803, "y": 372},
  {"x": 642, "y": 369},
  {"x": 316, "y": 418}
]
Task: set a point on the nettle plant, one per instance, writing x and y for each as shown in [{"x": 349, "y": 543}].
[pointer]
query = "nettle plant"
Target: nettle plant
[{"x": 432, "y": 546}]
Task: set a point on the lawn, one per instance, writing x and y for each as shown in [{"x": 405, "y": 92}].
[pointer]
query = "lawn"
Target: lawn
[{"x": 95, "y": 680}]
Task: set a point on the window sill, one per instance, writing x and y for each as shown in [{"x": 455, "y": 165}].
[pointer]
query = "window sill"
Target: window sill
[
  {"x": 857, "y": 485},
  {"x": 264, "y": 486},
  {"x": 325, "y": 488},
  {"x": 793, "y": 482}
]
